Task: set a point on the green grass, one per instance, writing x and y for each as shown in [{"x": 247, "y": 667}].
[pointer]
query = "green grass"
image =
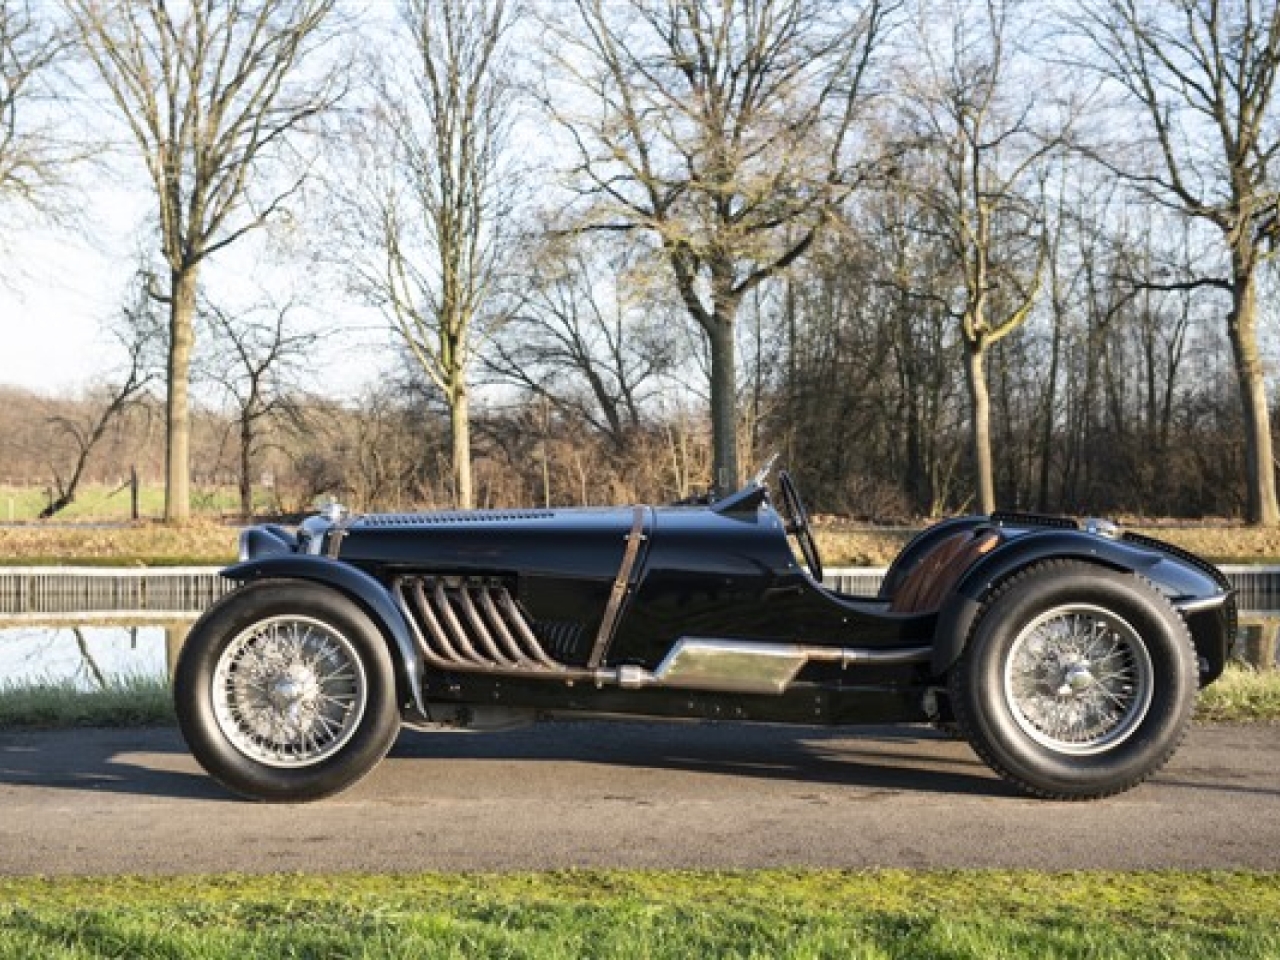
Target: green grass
[
  {"x": 774, "y": 914},
  {"x": 201, "y": 543},
  {"x": 98, "y": 502},
  {"x": 93, "y": 502},
  {"x": 1241, "y": 695},
  {"x": 124, "y": 702}
]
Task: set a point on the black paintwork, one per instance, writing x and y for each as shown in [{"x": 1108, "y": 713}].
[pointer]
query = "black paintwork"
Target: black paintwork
[{"x": 722, "y": 571}]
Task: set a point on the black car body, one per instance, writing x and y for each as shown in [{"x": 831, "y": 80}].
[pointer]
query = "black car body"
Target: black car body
[{"x": 1068, "y": 653}]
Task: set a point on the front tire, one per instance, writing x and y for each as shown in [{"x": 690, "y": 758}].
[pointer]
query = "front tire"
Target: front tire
[
  {"x": 285, "y": 691},
  {"x": 1078, "y": 681}
]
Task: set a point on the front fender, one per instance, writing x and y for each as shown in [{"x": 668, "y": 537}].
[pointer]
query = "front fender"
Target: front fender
[
  {"x": 366, "y": 591},
  {"x": 1174, "y": 578}
]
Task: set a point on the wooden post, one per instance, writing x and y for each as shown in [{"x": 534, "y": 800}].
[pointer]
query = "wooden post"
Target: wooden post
[{"x": 175, "y": 635}]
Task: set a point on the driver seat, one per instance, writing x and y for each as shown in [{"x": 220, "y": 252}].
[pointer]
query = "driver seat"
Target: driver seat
[{"x": 927, "y": 584}]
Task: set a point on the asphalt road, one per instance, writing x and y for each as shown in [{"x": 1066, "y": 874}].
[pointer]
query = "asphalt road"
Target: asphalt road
[{"x": 629, "y": 795}]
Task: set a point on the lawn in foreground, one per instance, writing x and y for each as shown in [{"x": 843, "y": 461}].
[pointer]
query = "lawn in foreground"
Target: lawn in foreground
[{"x": 887, "y": 914}]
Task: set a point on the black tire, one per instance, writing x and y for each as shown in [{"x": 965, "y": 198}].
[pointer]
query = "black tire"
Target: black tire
[
  {"x": 285, "y": 691},
  {"x": 1025, "y": 692}
]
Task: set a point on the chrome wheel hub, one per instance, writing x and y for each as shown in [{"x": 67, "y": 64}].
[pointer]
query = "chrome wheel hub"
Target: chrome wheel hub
[
  {"x": 289, "y": 691},
  {"x": 1078, "y": 679}
]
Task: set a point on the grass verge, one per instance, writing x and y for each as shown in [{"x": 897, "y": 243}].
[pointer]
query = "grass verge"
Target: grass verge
[
  {"x": 208, "y": 542},
  {"x": 1242, "y": 695},
  {"x": 201, "y": 543},
  {"x": 881, "y": 914},
  {"x": 123, "y": 702},
  {"x": 843, "y": 544}
]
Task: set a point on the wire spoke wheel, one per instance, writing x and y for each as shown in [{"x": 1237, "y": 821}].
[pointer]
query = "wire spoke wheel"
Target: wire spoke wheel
[
  {"x": 289, "y": 691},
  {"x": 1078, "y": 680}
]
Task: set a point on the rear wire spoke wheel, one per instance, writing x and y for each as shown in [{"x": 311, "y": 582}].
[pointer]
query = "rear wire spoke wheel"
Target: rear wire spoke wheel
[
  {"x": 1077, "y": 681},
  {"x": 285, "y": 691}
]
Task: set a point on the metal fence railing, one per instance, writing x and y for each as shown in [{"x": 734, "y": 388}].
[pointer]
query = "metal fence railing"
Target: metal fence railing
[
  {"x": 91, "y": 590},
  {"x": 857, "y": 581},
  {"x": 191, "y": 589}
]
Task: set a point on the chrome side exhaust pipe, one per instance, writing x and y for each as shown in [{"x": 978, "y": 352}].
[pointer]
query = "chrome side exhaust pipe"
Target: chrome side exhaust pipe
[{"x": 494, "y": 637}]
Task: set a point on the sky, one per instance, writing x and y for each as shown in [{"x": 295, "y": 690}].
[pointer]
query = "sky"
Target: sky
[
  {"x": 55, "y": 292},
  {"x": 61, "y": 287}
]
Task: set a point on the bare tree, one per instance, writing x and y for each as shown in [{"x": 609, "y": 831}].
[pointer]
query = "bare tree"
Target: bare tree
[
  {"x": 212, "y": 93},
  {"x": 1203, "y": 75},
  {"x": 30, "y": 154},
  {"x": 973, "y": 116},
  {"x": 253, "y": 358},
  {"x": 139, "y": 334},
  {"x": 723, "y": 131},
  {"x": 591, "y": 337},
  {"x": 431, "y": 223}
]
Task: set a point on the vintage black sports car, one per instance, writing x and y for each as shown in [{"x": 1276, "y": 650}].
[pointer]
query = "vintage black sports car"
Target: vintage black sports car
[{"x": 1068, "y": 653}]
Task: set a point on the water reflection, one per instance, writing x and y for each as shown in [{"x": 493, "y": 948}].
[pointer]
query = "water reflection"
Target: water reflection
[{"x": 88, "y": 656}]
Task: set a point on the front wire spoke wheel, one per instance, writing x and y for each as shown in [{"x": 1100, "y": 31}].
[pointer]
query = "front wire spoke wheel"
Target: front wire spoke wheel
[
  {"x": 289, "y": 691},
  {"x": 1078, "y": 680}
]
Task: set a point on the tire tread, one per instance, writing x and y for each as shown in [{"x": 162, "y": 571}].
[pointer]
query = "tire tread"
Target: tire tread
[{"x": 959, "y": 679}]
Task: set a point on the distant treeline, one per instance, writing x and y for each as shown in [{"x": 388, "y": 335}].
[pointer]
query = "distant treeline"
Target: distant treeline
[{"x": 870, "y": 430}]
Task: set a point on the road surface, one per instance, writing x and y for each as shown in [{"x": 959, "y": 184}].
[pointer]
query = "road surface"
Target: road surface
[{"x": 584, "y": 795}]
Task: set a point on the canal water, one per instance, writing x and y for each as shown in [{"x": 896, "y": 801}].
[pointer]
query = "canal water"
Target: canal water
[{"x": 88, "y": 656}]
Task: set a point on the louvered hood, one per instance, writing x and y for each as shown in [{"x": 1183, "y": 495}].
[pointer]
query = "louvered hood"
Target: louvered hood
[{"x": 575, "y": 543}]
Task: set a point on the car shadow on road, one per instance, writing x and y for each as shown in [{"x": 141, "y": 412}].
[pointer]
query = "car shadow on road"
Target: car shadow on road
[
  {"x": 156, "y": 763},
  {"x": 882, "y": 759},
  {"x": 141, "y": 762}
]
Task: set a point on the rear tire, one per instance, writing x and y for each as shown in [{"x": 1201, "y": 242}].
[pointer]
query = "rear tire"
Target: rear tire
[
  {"x": 1078, "y": 681},
  {"x": 285, "y": 691}
]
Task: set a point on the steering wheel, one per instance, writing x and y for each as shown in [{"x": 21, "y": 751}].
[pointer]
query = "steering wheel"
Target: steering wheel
[{"x": 797, "y": 522}]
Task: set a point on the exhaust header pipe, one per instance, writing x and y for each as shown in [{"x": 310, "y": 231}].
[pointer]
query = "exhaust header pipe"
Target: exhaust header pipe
[{"x": 488, "y": 633}]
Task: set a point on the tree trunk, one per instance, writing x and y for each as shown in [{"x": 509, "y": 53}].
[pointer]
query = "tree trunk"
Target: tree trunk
[
  {"x": 460, "y": 439},
  {"x": 980, "y": 411},
  {"x": 724, "y": 406},
  {"x": 177, "y": 456},
  {"x": 1047, "y": 424},
  {"x": 1262, "y": 507},
  {"x": 246, "y": 475}
]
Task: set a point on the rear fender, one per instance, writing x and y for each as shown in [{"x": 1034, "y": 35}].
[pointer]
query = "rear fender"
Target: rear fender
[
  {"x": 960, "y": 609},
  {"x": 364, "y": 590}
]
